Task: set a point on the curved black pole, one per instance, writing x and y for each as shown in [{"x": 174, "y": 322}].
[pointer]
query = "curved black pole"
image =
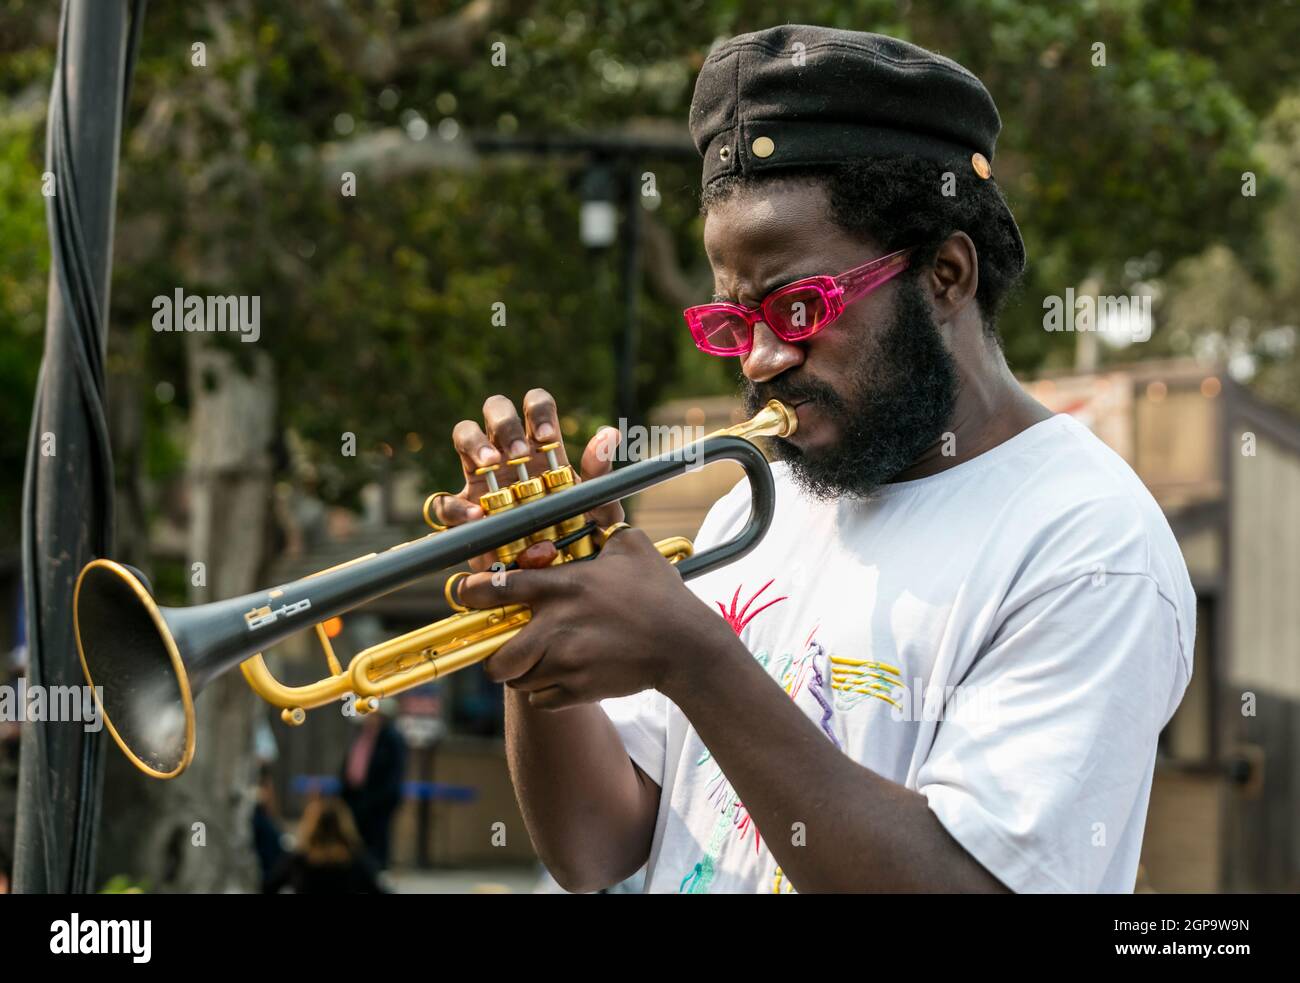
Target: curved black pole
[{"x": 68, "y": 486}]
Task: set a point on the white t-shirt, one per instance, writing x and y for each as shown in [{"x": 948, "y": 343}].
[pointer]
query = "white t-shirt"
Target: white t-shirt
[{"x": 1007, "y": 637}]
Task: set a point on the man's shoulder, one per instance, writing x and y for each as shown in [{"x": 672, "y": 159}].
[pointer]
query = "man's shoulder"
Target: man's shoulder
[
  {"x": 1084, "y": 512},
  {"x": 1055, "y": 500},
  {"x": 1080, "y": 489}
]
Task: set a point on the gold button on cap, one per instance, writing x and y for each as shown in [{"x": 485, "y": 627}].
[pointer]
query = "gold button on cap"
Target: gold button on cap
[
  {"x": 763, "y": 147},
  {"x": 981, "y": 165}
]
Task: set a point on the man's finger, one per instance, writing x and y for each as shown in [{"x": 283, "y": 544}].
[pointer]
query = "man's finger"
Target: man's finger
[
  {"x": 453, "y": 510},
  {"x": 598, "y": 459},
  {"x": 554, "y": 698},
  {"x": 629, "y": 542},
  {"x": 490, "y": 590},
  {"x": 543, "y": 419},
  {"x": 473, "y": 447},
  {"x": 537, "y": 556},
  {"x": 504, "y": 427},
  {"x": 537, "y": 676},
  {"x": 513, "y": 659}
]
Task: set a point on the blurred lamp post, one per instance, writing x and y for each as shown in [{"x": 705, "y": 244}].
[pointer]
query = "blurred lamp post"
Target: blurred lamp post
[
  {"x": 600, "y": 191},
  {"x": 610, "y": 178},
  {"x": 598, "y": 217}
]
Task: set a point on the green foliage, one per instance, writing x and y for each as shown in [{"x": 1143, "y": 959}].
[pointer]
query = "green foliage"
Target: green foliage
[
  {"x": 123, "y": 884},
  {"x": 24, "y": 269},
  {"x": 1216, "y": 304}
]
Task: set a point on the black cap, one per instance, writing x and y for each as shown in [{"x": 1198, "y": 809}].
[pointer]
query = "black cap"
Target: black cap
[{"x": 798, "y": 95}]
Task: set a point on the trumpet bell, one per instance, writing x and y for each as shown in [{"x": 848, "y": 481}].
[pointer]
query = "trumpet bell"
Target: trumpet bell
[{"x": 133, "y": 663}]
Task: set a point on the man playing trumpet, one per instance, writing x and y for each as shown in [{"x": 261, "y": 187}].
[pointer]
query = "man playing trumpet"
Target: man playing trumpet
[{"x": 947, "y": 665}]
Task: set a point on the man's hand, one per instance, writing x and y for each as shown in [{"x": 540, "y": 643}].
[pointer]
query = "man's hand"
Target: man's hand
[
  {"x": 619, "y": 624},
  {"x": 589, "y": 810},
  {"x": 504, "y": 436}
]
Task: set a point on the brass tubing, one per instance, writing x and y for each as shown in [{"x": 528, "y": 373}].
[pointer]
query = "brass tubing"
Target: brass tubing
[
  {"x": 277, "y": 694},
  {"x": 435, "y": 650},
  {"x": 455, "y": 642}
]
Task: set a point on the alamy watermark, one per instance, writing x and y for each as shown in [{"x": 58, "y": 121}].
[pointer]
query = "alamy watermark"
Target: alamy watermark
[
  {"x": 976, "y": 704},
  {"x": 75, "y": 936},
  {"x": 637, "y": 443},
  {"x": 1129, "y": 317},
  {"x": 21, "y": 703},
  {"x": 234, "y": 313}
]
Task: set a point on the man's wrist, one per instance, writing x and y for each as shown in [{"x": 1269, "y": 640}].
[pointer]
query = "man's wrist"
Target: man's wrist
[{"x": 698, "y": 667}]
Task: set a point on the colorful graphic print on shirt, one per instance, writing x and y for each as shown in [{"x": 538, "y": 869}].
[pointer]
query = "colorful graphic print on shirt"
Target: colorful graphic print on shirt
[{"x": 835, "y": 682}]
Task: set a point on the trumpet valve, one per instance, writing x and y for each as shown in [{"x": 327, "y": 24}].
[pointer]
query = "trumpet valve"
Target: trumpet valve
[
  {"x": 520, "y": 464},
  {"x": 552, "y": 462},
  {"x": 526, "y": 490},
  {"x": 558, "y": 478},
  {"x": 499, "y": 499},
  {"x": 489, "y": 474}
]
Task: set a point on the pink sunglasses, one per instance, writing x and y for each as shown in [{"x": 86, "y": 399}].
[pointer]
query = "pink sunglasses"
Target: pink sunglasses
[{"x": 794, "y": 312}]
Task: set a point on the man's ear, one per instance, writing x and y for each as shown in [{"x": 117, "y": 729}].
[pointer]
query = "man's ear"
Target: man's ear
[{"x": 955, "y": 277}]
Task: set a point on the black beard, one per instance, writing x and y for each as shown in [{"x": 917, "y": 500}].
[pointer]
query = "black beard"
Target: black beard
[{"x": 898, "y": 401}]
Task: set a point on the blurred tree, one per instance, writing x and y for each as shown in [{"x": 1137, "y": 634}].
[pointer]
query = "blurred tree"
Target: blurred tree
[
  {"x": 1216, "y": 307},
  {"x": 24, "y": 269}
]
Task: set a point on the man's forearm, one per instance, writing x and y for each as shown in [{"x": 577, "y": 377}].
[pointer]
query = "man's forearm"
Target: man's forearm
[
  {"x": 859, "y": 832},
  {"x": 589, "y": 810}
]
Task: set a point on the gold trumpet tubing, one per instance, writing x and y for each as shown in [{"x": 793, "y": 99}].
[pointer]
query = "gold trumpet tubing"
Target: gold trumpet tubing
[
  {"x": 294, "y": 699},
  {"x": 559, "y": 479},
  {"x": 433, "y": 651},
  {"x": 307, "y": 697},
  {"x": 579, "y": 549},
  {"x": 425, "y": 654},
  {"x": 455, "y": 642},
  {"x": 331, "y": 659},
  {"x": 675, "y": 548}
]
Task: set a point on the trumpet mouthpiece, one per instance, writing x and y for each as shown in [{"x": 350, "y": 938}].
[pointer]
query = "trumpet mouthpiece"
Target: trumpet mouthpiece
[{"x": 773, "y": 420}]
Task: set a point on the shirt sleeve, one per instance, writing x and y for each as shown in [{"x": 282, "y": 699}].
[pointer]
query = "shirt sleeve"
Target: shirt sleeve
[
  {"x": 1045, "y": 751},
  {"x": 642, "y": 722}
]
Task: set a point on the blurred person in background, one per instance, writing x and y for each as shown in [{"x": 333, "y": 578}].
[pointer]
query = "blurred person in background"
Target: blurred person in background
[
  {"x": 267, "y": 837},
  {"x": 330, "y": 857},
  {"x": 372, "y": 779}
]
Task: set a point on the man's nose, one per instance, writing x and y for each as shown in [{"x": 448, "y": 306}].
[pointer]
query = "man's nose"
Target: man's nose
[{"x": 770, "y": 356}]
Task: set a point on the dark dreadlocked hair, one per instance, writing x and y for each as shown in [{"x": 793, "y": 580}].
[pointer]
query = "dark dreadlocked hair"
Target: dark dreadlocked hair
[{"x": 896, "y": 202}]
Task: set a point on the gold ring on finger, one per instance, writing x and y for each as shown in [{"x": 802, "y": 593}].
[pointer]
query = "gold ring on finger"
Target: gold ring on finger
[
  {"x": 451, "y": 588},
  {"x": 609, "y": 532},
  {"x": 430, "y": 512}
]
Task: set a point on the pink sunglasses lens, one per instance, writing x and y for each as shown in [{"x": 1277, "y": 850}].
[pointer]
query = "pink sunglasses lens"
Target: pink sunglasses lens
[
  {"x": 797, "y": 313},
  {"x": 719, "y": 332}
]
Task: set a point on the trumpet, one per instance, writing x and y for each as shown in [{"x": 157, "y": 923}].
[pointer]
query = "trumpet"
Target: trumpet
[{"x": 146, "y": 663}]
